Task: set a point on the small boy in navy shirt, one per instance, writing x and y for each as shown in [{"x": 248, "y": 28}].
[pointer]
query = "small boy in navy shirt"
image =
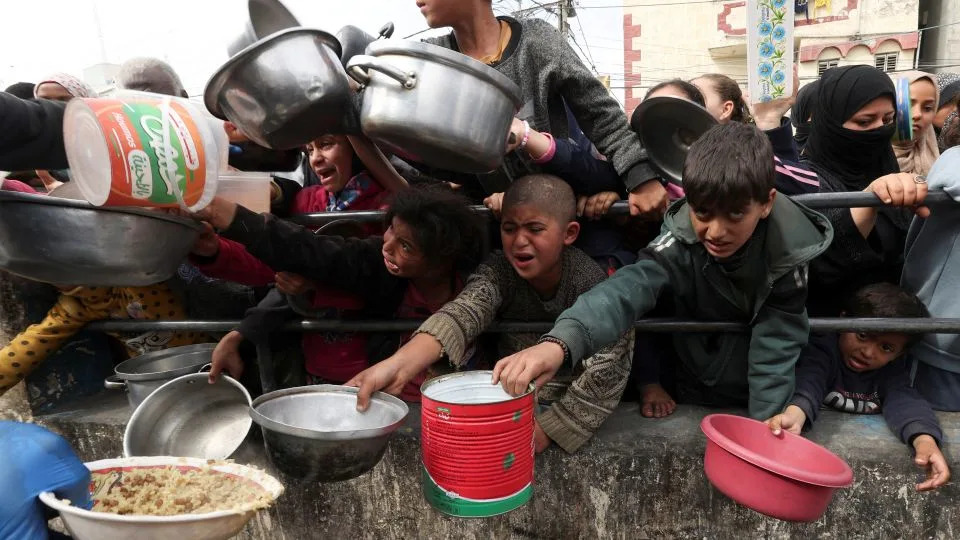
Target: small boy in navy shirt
[{"x": 862, "y": 373}]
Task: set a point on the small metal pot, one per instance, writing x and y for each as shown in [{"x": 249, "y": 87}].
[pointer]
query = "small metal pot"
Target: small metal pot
[
  {"x": 70, "y": 242},
  {"x": 189, "y": 417},
  {"x": 314, "y": 433},
  {"x": 285, "y": 90},
  {"x": 266, "y": 17},
  {"x": 142, "y": 375},
  {"x": 435, "y": 106}
]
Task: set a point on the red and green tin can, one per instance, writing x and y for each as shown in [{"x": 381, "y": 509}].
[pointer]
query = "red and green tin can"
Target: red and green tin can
[{"x": 477, "y": 445}]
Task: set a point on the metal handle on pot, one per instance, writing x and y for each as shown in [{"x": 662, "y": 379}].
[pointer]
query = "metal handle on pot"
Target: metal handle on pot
[
  {"x": 205, "y": 368},
  {"x": 358, "y": 65},
  {"x": 114, "y": 383}
]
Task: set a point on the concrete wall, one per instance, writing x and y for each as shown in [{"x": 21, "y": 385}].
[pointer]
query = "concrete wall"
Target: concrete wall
[
  {"x": 940, "y": 50},
  {"x": 638, "y": 478}
]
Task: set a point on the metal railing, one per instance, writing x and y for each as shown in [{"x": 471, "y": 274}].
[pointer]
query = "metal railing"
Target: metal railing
[
  {"x": 909, "y": 326},
  {"x": 855, "y": 199}
]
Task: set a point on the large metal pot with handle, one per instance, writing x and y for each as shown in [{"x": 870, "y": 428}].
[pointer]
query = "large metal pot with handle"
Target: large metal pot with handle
[
  {"x": 285, "y": 90},
  {"x": 435, "y": 106},
  {"x": 141, "y": 375}
]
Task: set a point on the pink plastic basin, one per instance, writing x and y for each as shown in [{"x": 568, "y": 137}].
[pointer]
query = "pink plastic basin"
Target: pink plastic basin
[{"x": 785, "y": 476}]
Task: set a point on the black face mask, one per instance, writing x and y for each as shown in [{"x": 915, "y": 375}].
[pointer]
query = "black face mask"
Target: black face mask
[{"x": 854, "y": 158}]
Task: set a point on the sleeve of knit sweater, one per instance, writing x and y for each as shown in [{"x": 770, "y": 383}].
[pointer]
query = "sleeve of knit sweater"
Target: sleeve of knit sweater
[
  {"x": 464, "y": 318},
  {"x": 592, "y": 396},
  {"x": 598, "y": 114}
]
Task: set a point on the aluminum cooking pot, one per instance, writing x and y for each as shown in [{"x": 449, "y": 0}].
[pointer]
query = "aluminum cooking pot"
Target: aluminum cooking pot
[
  {"x": 189, "y": 417},
  {"x": 355, "y": 41},
  {"x": 435, "y": 106},
  {"x": 285, "y": 90},
  {"x": 315, "y": 433},
  {"x": 70, "y": 242},
  {"x": 266, "y": 17},
  {"x": 141, "y": 375}
]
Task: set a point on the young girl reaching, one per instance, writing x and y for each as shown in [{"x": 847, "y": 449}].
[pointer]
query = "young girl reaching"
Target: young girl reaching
[{"x": 432, "y": 242}]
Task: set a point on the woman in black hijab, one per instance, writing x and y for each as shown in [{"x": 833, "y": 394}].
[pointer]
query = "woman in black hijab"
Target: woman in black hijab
[
  {"x": 802, "y": 113},
  {"x": 849, "y": 149}
]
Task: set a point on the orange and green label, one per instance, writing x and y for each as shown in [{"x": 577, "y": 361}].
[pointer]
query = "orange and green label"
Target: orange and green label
[{"x": 151, "y": 162}]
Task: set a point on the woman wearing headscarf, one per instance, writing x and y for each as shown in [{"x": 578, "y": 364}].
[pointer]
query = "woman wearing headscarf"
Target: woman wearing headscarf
[
  {"x": 802, "y": 113},
  {"x": 948, "y": 87},
  {"x": 849, "y": 149},
  {"x": 918, "y": 154},
  {"x": 62, "y": 87}
]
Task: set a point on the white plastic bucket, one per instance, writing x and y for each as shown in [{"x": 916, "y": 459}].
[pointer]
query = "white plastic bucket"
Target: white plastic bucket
[{"x": 248, "y": 189}]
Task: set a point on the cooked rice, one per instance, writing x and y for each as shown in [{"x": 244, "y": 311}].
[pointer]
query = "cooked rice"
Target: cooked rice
[{"x": 171, "y": 490}]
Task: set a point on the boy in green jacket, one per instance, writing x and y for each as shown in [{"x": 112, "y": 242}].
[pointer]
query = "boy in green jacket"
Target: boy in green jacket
[{"x": 731, "y": 251}]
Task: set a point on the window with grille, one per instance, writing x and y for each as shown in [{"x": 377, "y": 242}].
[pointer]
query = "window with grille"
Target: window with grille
[
  {"x": 886, "y": 61},
  {"x": 824, "y": 65}
]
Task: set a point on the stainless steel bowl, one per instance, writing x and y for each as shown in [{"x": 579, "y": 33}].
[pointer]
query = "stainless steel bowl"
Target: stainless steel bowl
[
  {"x": 435, "y": 106},
  {"x": 285, "y": 90},
  {"x": 266, "y": 17},
  {"x": 189, "y": 417},
  {"x": 314, "y": 433},
  {"x": 70, "y": 242},
  {"x": 141, "y": 375}
]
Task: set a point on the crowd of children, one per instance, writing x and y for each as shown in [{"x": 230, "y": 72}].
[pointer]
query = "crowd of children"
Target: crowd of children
[{"x": 732, "y": 246}]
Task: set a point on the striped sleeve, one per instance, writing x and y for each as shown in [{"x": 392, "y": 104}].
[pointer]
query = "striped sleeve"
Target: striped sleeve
[{"x": 794, "y": 179}]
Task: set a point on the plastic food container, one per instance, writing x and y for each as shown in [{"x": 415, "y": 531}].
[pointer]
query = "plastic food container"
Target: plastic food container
[
  {"x": 142, "y": 149},
  {"x": 248, "y": 189},
  {"x": 783, "y": 476}
]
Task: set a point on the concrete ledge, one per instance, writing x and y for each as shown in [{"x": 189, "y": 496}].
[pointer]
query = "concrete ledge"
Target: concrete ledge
[{"x": 638, "y": 478}]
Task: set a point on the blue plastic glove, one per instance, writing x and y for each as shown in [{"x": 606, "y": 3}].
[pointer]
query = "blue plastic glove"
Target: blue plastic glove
[{"x": 34, "y": 460}]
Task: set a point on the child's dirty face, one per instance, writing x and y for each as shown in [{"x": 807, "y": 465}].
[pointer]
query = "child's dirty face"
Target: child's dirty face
[
  {"x": 533, "y": 242},
  {"x": 401, "y": 255},
  {"x": 331, "y": 158},
  {"x": 723, "y": 234},
  {"x": 862, "y": 351}
]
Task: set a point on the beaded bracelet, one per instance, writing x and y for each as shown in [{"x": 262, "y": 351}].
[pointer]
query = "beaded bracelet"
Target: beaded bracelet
[
  {"x": 526, "y": 136},
  {"x": 557, "y": 341}
]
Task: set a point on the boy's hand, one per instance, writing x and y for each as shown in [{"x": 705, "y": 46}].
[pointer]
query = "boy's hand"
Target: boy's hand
[
  {"x": 226, "y": 356},
  {"x": 649, "y": 199},
  {"x": 208, "y": 243},
  {"x": 541, "y": 441},
  {"x": 930, "y": 458},
  {"x": 791, "y": 419},
  {"x": 293, "y": 284},
  {"x": 386, "y": 376},
  {"x": 219, "y": 213},
  {"x": 536, "y": 364},
  {"x": 596, "y": 206},
  {"x": 494, "y": 203}
]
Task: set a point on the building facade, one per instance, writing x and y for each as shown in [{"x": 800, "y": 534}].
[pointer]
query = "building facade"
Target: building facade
[{"x": 686, "y": 39}]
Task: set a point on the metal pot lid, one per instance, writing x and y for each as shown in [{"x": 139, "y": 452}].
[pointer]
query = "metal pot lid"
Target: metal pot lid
[
  {"x": 390, "y": 411},
  {"x": 218, "y": 79},
  {"x": 667, "y": 126},
  {"x": 448, "y": 57},
  {"x": 166, "y": 364},
  {"x": 31, "y": 198}
]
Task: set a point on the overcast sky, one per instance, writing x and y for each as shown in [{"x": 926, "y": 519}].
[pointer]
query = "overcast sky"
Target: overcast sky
[{"x": 41, "y": 37}]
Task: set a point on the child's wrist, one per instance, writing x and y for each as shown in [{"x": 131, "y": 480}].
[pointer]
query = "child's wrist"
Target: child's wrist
[{"x": 923, "y": 438}]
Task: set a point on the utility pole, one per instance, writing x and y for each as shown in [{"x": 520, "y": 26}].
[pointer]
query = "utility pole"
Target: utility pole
[{"x": 564, "y": 28}]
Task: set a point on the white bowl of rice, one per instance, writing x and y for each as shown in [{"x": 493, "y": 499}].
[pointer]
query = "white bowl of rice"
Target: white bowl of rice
[{"x": 161, "y": 497}]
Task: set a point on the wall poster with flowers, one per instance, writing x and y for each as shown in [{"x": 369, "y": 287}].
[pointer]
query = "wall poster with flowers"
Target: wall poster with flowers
[{"x": 769, "y": 49}]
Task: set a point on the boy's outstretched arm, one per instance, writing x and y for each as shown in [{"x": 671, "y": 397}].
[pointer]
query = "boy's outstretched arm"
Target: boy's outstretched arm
[
  {"x": 815, "y": 372},
  {"x": 912, "y": 419},
  {"x": 598, "y": 318},
  {"x": 780, "y": 330}
]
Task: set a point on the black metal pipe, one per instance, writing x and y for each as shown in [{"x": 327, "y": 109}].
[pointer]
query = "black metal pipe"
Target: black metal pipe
[
  {"x": 854, "y": 199},
  {"x": 909, "y": 326}
]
